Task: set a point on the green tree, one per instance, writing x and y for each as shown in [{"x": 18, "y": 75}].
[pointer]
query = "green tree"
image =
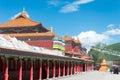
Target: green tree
[{"x": 96, "y": 53}]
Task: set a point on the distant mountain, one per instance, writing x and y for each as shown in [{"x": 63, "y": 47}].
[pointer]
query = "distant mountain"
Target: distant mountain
[
  {"x": 115, "y": 47},
  {"x": 112, "y": 52}
]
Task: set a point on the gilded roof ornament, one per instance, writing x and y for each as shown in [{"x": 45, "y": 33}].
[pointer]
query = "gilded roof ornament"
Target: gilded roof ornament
[
  {"x": 66, "y": 35},
  {"x": 51, "y": 29},
  {"x": 23, "y": 11}
]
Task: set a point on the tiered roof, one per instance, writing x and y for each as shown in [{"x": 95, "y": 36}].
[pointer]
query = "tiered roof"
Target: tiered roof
[
  {"x": 67, "y": 38},
  {"x": 77, "y": 41},
  {"x": 22, "y": 20},
  {"x": 86, "y": 57}
]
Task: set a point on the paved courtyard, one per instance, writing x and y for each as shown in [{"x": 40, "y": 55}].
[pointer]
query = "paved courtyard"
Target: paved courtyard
[{"x": 93, "y": 75}]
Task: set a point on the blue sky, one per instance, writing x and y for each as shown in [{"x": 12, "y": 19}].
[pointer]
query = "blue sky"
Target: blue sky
[{"x": 81, "y": 18}]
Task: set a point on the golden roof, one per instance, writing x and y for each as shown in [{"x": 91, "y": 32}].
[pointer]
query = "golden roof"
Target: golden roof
[
  {"x": 86, "y": 57},
  {"x": 31, "y": 34},
  {"x": 22, "y": 20},
  {"x": 77, "y": 41},
  {"x": 67, "y": 38}
]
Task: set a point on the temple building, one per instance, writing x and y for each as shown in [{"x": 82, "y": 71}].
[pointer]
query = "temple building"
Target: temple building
[
  {"x": 34, "y": 52},
  {"x": 25, "y": 29}
]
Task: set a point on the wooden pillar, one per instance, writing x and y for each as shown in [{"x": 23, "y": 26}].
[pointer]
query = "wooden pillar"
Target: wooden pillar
[
  {"x": 53, "y": 68},
  {"x": 20, "y": 70},
  {"x": 80, "y": 67},
  {"x": 74, "y": 67},
  {"x": 58, "y": 68},
  {"x": 31, "y": 69},
  {"x": 77, "y": 67},
  {"x": 85, "y": 66},
  {"x": 71, "y": 66},
  {"x": 63, "y": 68},
  {"x": 6, "y": 69},
  {"x": 68, "y": 68},
  {"x": 15, "y": 63},
  {"x": 40, "y": 70},
  {"x": 47, "y": 69}
]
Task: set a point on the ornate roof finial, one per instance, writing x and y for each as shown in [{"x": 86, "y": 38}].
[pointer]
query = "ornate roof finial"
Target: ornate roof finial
[
  {"x": 51, "y": 29},
  {"x": 66, "y": 34},
  {"x": 23, "y": 11}
]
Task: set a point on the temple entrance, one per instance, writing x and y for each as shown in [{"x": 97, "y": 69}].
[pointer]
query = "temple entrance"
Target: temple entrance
[
  {"x": 36, "y": 69},
  {"x": 62, "y": 68},
  {"x": 83, "y": 66},
  {"x": 56, "y": 69},
  {"x": 66, "y": 68},
  {"x": 44, "y": 70},
  {"x": 12, "y": 69},
  {"x": 50, "y": 69},
  {"x": 25, "y": 69}
]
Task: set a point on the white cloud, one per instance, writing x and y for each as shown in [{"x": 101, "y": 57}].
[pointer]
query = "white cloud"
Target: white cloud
[
  {"x": 90, "y": 38},
  {"x": 111, "y": 26},
  {"x": 113, "y": 32},
  {"x": 74, "y": 6},
  {"x": 53, "y": 2}
]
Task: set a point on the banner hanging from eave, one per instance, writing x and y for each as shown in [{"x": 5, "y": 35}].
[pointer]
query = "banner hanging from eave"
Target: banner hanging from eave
[{"x": 58, "y": 44}]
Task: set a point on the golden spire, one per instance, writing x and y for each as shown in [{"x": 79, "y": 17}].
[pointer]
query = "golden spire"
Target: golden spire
[
  {"x": 66, "y": 34},
  {"x": 62, "y": 37},
  {"x": 51, "y": 29},
  {"x": 23, "y": 11}
]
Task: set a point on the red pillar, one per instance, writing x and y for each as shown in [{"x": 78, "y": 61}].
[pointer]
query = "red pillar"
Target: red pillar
[
  {"x": 20, "y": 70},
  {"x": 15, "y": 63},
  {"x": 68, "y": 68},
  {"x": 47, "y": 69},
  {"x": 79, "y": 67},
  {"x": 40, "y": 70},
  {"x": 31, "y": 70},
  {"x": 71, "y": 68},
  {"x": 63, "y": 68},
  {"x": 74, "y": 67},
  {"x": 6, "y": 69},
  {"x": 53, "y": 69},
  {"x": 58, "y": 68},
  {"x": 85, "y": 66}
]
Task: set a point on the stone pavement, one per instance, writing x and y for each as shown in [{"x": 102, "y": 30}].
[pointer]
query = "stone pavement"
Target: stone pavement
[{"x": 92, "y": 75}]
